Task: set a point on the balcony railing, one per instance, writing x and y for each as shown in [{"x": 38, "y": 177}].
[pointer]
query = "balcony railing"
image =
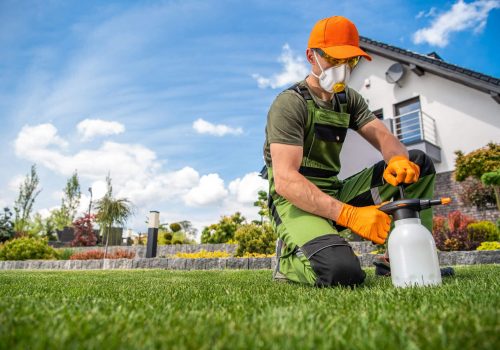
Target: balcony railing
[{"x": 415, "y": 126}]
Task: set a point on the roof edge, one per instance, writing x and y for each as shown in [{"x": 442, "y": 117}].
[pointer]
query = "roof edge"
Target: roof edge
[{"x": 467, "y": 77}]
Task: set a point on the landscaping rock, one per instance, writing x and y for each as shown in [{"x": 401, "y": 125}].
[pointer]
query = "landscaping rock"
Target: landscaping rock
[
  {"x": 158, "y": 263},
  {"x": 237, "y": 263},
  {"x": 141, "y": 263},
  {"x": 259, "y": 263},
  {"x": 177, "y": 264}
]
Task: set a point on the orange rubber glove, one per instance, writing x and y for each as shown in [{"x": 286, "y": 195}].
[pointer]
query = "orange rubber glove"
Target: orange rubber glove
[
  {"x": 368, "y": 222},
  {"x": 400, "y": 169}
]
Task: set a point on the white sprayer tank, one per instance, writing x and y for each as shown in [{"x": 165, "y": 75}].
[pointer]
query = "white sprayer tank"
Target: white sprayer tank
[{"x": 413, "y": 255}]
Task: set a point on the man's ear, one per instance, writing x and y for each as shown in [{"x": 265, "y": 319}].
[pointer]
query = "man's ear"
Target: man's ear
[{"x": 310, "y": 56}]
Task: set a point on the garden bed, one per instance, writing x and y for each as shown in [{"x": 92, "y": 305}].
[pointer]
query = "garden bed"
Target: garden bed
[{"x": 445, "y": 259}]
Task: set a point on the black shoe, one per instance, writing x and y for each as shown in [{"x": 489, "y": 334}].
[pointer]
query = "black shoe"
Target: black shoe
[{"x": 383, "y": 268}]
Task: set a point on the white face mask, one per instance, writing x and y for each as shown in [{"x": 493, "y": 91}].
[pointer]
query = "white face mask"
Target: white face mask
[{"x": 334, "y": 79}]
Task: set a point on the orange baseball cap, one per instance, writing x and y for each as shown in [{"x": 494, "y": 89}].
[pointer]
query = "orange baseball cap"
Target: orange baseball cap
[{"x": 337, "y": 37}]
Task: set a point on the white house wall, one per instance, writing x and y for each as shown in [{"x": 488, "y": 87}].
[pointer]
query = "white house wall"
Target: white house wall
[{"x": 466, "y": 119}]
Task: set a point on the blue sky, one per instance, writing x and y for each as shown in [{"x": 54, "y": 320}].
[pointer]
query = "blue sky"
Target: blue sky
[{"x": 171, "y": 97}]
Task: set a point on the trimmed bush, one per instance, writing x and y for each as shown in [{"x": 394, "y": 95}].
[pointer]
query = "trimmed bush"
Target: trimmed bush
[
  {"x": 25, "y": 248},
  {"x": 483, "y": 231},
  {"x": 202, "y": 254},
  {"x": 489, "y": 246},
  {"x": 254, "y": 238},
  {"x": 99, "y": 254}
]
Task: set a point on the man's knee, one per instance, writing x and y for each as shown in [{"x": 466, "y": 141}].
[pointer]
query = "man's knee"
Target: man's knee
[
  {"x": 423, "y": 161},
  {"x": 333, "y": 262}
]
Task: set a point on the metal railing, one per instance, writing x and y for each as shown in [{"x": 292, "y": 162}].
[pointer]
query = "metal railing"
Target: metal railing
[{"x": 415, "y": 126}]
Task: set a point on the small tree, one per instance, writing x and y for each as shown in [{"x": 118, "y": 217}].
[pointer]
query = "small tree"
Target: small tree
[
  {"x": 84, "y": 231},
  {"x": 71, "y": 200},
  {"x": 224, "y": 230},
  {"x": 6, "y": 225},
  {"x": 60, "y": 218},
  {"x": 25, "y": 200},
  {"x": 262, "y": 204},
  {"x": 112, "y": 211}
]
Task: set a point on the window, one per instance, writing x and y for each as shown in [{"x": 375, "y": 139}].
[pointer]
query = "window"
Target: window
[
  {"x": 379, "y": 114},
  {"x": 407, "y": 120}
]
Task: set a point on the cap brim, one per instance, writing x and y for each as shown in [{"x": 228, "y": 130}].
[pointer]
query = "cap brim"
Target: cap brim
[{"x": 345, "y": 51}]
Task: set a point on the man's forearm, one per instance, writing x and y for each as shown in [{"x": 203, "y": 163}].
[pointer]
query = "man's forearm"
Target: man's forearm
[
  {"x": 306, "y": 196},
  {"x": 391, "y": 147}
]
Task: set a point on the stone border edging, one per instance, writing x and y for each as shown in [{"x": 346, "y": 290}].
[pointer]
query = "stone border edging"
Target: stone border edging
[{"x": 366, "y": 260}]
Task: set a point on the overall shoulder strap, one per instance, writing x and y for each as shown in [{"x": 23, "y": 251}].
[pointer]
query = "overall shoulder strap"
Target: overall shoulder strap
[
  {"x": 341, "y": 102},
  {"x": 301, "y": 90}
]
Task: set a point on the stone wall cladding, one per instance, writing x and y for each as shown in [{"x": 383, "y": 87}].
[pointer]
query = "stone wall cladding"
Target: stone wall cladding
[
  {"x": 366, "y": 260},
  {"x": 446, "y": 186}
]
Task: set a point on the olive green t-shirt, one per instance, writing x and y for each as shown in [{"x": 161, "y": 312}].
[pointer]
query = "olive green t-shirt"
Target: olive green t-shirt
[{"x": 287, "y": 117}]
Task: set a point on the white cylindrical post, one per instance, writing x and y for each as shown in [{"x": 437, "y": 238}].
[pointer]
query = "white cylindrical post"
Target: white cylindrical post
[{"x": 154, "y": 219}]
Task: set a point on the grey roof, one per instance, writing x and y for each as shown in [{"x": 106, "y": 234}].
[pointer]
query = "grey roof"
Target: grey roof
[{"x": 479, "y": 81}]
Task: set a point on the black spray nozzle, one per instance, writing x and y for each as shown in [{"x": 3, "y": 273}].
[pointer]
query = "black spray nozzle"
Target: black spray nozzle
[{"x": 409, "y": 208}]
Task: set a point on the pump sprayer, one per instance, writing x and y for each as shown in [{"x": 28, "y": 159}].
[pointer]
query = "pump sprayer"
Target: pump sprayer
[{"x": 412, "y": 250}]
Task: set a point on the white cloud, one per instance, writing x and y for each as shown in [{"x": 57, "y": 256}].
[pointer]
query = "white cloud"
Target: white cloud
[
  {"x": 431, "y": 13},
  {"x": 134, "y": 168},
  {"x": 246, "y": 190},
  {"x": 203, "y": 127},
  {"x": 210, "y": 190},
  {"x": 33, "y": 138},
  {"x": 90, "y": 128},
  {"x": 137, "y": 174},
  {"x": 294, "y": 69},
  {"x": 462, "y": 16}
]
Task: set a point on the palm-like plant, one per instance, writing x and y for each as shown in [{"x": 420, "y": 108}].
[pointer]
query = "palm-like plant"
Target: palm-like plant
[{"x": 112, "y": 211}]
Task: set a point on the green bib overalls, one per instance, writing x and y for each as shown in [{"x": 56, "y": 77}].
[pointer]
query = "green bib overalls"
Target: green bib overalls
[{"x": 312, "y": 252}]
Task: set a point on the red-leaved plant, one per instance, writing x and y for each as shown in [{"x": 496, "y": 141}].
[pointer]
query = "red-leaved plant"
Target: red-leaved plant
[
  {"x": 84, "y": 232},
  {"x": 99, "y": 254},
  {"x": 452, "y": 234}
]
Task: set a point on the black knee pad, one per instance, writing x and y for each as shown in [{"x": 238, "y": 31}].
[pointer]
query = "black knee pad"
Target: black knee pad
[
  {"x": 333, "y": 261},
  {"x": 423, "y": 161}
]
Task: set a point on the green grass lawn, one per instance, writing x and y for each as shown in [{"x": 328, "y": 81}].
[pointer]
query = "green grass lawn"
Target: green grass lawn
[{"x": 243, "y": 309}]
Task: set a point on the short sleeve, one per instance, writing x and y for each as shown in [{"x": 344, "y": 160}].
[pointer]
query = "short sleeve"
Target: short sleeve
[
  {"x": 358, "y": 109},
  {"x": 286, "y": 120}
]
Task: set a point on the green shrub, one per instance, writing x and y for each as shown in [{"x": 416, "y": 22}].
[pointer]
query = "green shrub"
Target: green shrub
[
  {"x": 254, "y": 238},
  {"x": 224, "y": 230},
  {"x": 64, "y": 254},
  {"x": 489, "y": 246},
  {"x": 25, "y": 248},
  {"x": 483, "y": 231}
]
